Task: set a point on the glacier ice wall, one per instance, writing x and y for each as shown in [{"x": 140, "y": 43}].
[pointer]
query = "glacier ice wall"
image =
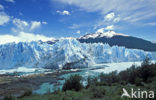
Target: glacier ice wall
[{"x": 66, "y": 53}]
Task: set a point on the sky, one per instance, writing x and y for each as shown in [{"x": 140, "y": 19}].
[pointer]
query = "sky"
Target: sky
[{"x": 44, "y": 19}]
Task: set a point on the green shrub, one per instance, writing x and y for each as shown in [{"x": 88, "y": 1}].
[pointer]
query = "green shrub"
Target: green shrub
[
  {"x": 97, "y": 91},
  {"x": 110, "y": 78},
  {"x": 92, "y": 81},
  {"x": 133, "y": 75},
  {"x": 9, "y": 97},
  {"x": 73, "y": 83},
  {"x": 138, "y": 82},
  {"x": 26, "y": 93},
  {"x": 146, "y": 62}
]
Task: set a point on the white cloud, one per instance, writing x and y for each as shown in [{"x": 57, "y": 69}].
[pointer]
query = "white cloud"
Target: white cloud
[
  {"x": 32, "y": 37},
  {"x": 35, "y": 24},
  {"x": 4, "y": 18},
  {"x": 117, "y": 19},
  {"x": 135, "y": 10},
  {"x": 78, "y": 32},
  {"x": 1, "y": 7},
  {"x": 109, "y": 16},
  {"x": 20, "y": 24},
  {"x": 12, "y": 1},
  {"x": 101, "y": 30},
  {"x": 7, "y": 39},
  {"x": 112, "y": 17},
  {"x": 150, "y": 24},
  {"x": 23, "y": 37},
  {"x": 111, "y": 27},
  {"x": 65, "y": 12},
  {"x": 44, "y": 22},
  {"x": 109, "y": 19},
  {"x": 74, "y": 26},
  {"x": 108, "y": 28}
]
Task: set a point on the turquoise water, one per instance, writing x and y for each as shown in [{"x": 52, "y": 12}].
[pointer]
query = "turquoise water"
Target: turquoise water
[
  {"x": 106, "y": 68},
  {"x": 45, "y": 88}
]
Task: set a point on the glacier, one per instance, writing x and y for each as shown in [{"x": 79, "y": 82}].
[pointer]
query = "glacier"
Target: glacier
[{"x": 64, "y": 54}]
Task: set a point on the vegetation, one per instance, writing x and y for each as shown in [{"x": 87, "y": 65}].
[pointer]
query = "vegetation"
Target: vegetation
[
  {"x": 9, "y": 97},
  {"x": 73, "y": 83},
  {"x": 105, "y": 86},
  {"x": 26, "y": 93}
]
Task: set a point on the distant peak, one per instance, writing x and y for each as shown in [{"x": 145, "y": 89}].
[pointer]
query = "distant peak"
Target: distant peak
[
  {"x": 69, "y": 38},
  {"x": 154, "y": 42},
  {"x": 108, "y": 34},
  {"x": 111, "y": 34}
]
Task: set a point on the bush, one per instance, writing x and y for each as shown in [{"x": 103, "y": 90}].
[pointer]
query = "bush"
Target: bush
[
  {"x": 133, "y": 75},
  {"x": 26, "y": 93},
  {"x": 110, "y": 78},
  {"x": 98, "y": 91},
  {"x": 73, "y": 83},
  {"x": 91, "y": 81},
  {"x": 147, "y": 70},
  {"x": 146, "y": 62},
  {"x": 138, "y": 82},
  {"x": 9, "y": 97}
]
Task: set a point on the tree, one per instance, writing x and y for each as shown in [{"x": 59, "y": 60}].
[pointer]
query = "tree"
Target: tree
[
  {"x": 146, "y": 62},
  {"x": 73, "y": 83}
]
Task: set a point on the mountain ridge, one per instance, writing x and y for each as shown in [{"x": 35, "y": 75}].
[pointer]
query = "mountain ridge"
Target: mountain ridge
[{"x": 120, "y": 40}]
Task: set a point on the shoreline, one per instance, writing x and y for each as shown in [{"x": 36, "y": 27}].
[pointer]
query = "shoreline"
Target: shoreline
[{"x": 16, "y": 86}]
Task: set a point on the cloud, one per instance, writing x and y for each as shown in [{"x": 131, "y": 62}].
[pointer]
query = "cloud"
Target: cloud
[
  {"x": 1, "y": 7},
  {"x": 109, "y": 17},
  {"x": 35, "y": 24},
  {"x": 78, "y": 32},
  {"x": 108, "y": 28},
  {"x": 74, "y": 26},
  {"x": 117, "y": 19},
  {"x": 112, "y": 17},
  {"x": 12, "y": 1},
  {"x": 80, "y": 25},
  {"x": 129, "y": 10},
  {"x": 65, "y": 12},
  {"x": 20, "y": 24},
  {"x": 4, "y": 18},
  {"x": 101, "y": 30},
  {"x": 44, "y": 22},
  {"x": 7, "y": 39},
  {"x": 111, "y": 27},
  {"x": 32, "y": 37},
  {"x": 23, "y": 37},
  {"x": 150, "y": 24}
]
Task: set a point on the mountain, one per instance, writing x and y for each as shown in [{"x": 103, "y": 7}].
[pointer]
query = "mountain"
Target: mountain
[
  {"x": 118, "y": 39},
  {"x": 154, "y": 42},
  {"x": 65, "y": 53}
]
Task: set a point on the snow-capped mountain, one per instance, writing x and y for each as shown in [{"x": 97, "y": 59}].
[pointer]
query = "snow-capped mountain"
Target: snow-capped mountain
[
  {"x": 154, "y": 42},
  {"x": 108, "y": 34},
  {"x": 65, "y": 53},
  {"x": 113, "y": 38}
]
